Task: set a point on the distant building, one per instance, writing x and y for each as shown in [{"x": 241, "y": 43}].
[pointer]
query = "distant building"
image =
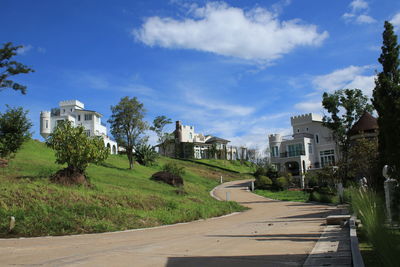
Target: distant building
[
  {"x": 73, "y": 111},
  {"x": 311, "y": 146},
  {"x": 186, "y": 143}
]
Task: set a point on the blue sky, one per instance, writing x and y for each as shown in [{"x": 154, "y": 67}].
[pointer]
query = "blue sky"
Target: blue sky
[{"x": 235, "y": 69}]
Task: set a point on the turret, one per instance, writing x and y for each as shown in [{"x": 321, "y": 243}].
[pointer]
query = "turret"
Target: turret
[
  {"x": 178, "y": 131},
  {"x": 45, "y": 124}
]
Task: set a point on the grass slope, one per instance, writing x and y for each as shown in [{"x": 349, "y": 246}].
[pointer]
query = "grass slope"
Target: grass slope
[
  {"x": 120, "y": 199},
  {"x": 233, "y": 165},
  {"x": 286, "y": 195}
]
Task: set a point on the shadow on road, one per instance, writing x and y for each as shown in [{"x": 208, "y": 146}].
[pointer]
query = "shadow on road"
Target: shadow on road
[{"x": 239, "y": 261}]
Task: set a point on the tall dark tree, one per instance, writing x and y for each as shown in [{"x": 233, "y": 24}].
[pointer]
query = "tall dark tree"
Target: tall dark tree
[
  {"x": 9, "y": 67},
  {"x": 127, "y": 125},
  {"x": 386, "y": 100},
  {"x": 158, "y": 127},
  {"x": 344, "y": 107}
]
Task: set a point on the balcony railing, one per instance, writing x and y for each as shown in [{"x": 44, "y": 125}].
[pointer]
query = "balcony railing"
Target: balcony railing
[{"x": 289, "y": 154}]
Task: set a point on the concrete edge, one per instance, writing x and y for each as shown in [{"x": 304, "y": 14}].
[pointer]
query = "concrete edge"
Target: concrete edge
[{"x": 355, "y": 249}]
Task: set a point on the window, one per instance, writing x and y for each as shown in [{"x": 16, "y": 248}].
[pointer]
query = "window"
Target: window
[
  {"x": 79, "y": 117},
  {"x": 58, "y": 121},
  {"x": 275, "y": 152},
  {"x": 307, "y": 129},
  {"x": 309, "y": 148},
  {"x": 190, "y": 136},
  {"x": 63, "y": 110},
  {"x": 87, "y": 132},
  {"x": 317, "y": 138},
  {"x": 71, "y": 109},
  {"x": 88, "y": 117},
  {"x": 327, "y": 158},
  {"x": 295, "y": 150},
  {"x": 298, "y": 130},
  {"x": 47, "y": 124}
]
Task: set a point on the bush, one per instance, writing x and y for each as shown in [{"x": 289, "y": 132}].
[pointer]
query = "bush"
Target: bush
[
  {"x": 145, "y": 155},
  {"x": 263, "y": 182},
  {"x": 282, "y": 183},
  {"x": 311, "y": 178},
  {"x": 73, "y": 147},
  {"x": 323, "y": 197},
  {"x": 14, "y": 130},
  {"x": 174, "y": 169},
  {"x": 168, "y": 178}
]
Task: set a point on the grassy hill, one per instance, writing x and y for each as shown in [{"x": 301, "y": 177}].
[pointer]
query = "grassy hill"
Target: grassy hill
[
  {"x": 233, "y": 165},
  {"x": 119, "y": 198}
]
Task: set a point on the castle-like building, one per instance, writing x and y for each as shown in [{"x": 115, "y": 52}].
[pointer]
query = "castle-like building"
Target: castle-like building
[
  {"x": 186, "y": 143},
  {"x": 75, "y": 112},
  {"x": 311, "y": 146}
]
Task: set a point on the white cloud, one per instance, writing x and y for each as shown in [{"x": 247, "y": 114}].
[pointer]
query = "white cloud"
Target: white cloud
[
  {"x": 256, "y": 35},
  {"x": 213, "y": 105},
  {"x": 396, "y": 20},
  {"x": 24, "y": 49},
  {"x": 358, "y": 5},
  {"x": 309, "y": 106},
  {"x": 358, "y": 13},
  {"x": 361, "y": 19},
  {"x": 349, "y": 77}
]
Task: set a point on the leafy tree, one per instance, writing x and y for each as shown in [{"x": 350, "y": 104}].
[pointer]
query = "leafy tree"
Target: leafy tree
[
  {"x": 363, "y": 160},
  {"x": 344, "y": 107},
  {"x": 9, "y": 67},
  {"x": 14, "y": 130},
  {"x": 73, "y": 147},
  {"x": 158, "y": 127},
  {"x": 386, "y": 100},
  {"x": 127, "y": 125}
]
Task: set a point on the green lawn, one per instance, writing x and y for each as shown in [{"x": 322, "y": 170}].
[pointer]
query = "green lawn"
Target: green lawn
[
  {"x": 119, "y": 198},
  {"x": 234, "y": 165},
  {"x": 286, "y": 195}
]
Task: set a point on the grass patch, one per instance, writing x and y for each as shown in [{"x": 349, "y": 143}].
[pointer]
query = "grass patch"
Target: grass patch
[
  {"x": 286, "y": 195},
  {"x": 233, "y": 165},
  {"x": 120, "y": 199}
]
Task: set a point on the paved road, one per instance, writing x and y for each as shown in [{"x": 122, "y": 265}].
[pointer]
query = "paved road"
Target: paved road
[{"x": 272, "y": 233}]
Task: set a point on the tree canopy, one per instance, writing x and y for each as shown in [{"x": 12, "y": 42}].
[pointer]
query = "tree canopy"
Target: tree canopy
[
  {"x": 127, "y": 125},
  {"x": 344, "y": 108},
  {"x": 9, "y": 67}
]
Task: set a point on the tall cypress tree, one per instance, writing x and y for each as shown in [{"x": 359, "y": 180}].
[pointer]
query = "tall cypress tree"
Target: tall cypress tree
[{"x": 386, "y": 100}]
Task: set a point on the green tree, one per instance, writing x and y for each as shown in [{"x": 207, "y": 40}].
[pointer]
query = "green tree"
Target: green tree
[
  {"x": 127, "y": 125},
  {"x": 158, "y": 127},
  {"x": 363, "y": 160},
  {"x": 344, "y": 107},
  {"x": 73, "y": 147},
  {"x": 386, "y": 100},
  {"x": 9, "y": 67},
  {"x": 14, "y": 131}
]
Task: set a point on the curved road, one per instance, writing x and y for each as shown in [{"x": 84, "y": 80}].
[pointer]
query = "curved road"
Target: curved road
[{"x": 272, "y": 233}]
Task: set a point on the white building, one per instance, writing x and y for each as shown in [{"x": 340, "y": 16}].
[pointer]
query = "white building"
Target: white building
[
  {"x": 310, "y": 147},
  {"x": 75, "y": 112}
]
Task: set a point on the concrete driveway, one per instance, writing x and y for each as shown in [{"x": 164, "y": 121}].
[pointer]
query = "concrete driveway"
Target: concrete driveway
[{"x": 272, "y": 233}]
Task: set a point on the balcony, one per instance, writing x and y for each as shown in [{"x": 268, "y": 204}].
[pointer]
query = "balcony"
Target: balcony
[{"x": 289, "y": 154}]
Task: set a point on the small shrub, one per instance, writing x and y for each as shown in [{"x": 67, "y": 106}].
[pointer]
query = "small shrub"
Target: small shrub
[
  {"x": 263, "y": 182},
  {"x": 311, "y": 179},
  {"x": 282, "y": 183},
  {"x": 168, "y": 178},
  {"x": 174, "y": 169},
  {"x": 145, "y": 155}
]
